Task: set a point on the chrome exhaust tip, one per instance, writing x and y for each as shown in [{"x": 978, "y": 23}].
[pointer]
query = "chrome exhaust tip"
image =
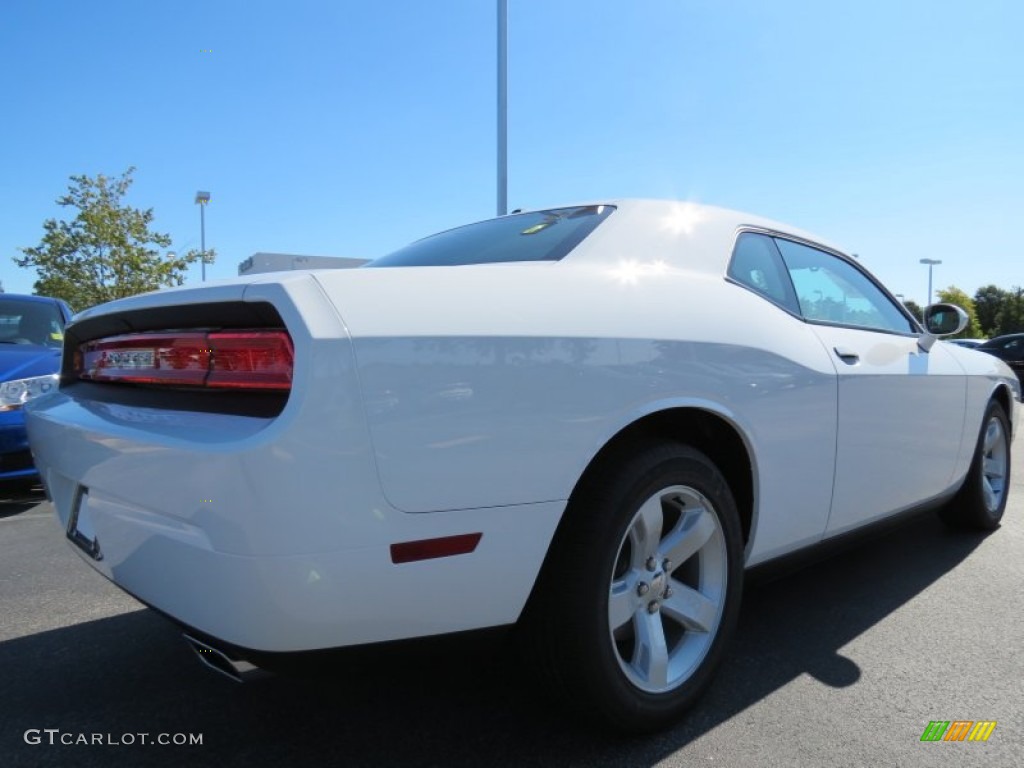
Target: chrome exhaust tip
[{"x": 220, "y": 661}]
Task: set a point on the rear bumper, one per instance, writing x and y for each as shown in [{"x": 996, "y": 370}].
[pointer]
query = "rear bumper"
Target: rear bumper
[
  {"x": 272, "y": 533},
  {"x": 271, "y": 538},
  {"x": 341, "y": 596}
]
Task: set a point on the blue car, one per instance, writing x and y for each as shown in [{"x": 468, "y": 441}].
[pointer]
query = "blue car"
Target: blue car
[{"x": 31, "y": 335}]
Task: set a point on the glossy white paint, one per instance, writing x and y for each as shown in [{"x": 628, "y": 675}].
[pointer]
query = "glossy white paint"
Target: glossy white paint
[
  {"x": 889, "y": 399},
  {"x": 265, "y": 532},
  {"x": 438, "y": 401}
]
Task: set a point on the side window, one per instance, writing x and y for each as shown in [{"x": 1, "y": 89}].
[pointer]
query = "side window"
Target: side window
[
  {"x": 829, "y": 290},
  {"x": 756, "y": 264}
]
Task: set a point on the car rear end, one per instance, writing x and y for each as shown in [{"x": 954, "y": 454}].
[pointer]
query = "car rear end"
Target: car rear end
[{"x": 208, "y": 452}]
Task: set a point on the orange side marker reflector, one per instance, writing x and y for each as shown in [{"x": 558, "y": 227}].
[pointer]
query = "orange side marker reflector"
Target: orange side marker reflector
[{"x": 429, "y": 549}]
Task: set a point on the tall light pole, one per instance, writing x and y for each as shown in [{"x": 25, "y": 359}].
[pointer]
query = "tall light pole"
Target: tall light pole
[
  {"x": 931, "y": 263},
  {"x": 202, "y": 198},
  {"x": 502, "y": 107}
]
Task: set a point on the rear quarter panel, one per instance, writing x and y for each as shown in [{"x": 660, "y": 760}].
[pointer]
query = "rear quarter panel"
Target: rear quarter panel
[{"x": 496, "y": 385}]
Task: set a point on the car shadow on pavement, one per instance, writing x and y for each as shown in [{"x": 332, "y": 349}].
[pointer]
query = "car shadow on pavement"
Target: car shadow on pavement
[
  {"x": 459, "y": 703},
  {"x": 15, "y": 499}
]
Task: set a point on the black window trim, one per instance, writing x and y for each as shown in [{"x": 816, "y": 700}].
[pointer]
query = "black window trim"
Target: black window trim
[
  {"x": 791, "y": 289},
  {"x": 771, "y": 233}
]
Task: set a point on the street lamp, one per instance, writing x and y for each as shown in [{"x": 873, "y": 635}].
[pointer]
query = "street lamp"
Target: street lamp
[
  {"x": 202, "y": 198},
  {"x": 931, "y": 263},
  {"x": 502, "y": 107}
]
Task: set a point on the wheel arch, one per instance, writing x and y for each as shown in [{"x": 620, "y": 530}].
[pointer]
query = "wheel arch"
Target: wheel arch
[
  {"x": 712, "y": 433},
  {"x": 1005, "y": 398},
  {"x": 580, "y": 546},
  {"x": 709, "y": 432}
]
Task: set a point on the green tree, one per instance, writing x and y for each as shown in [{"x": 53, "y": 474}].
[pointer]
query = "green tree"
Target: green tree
[
  {"x": 1011, "y": 312},
  {"x": 915, "y": 309},
  {"x": 107, "y": 251},
  {"x": 988, "y": 300},
  {"x": 954, "y": 295}
]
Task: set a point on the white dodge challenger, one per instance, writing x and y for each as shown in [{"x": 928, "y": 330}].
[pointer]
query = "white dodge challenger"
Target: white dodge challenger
[{"x": 587, "y": 421}]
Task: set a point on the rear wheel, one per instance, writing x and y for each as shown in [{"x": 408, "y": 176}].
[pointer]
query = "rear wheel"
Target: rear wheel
[
  {"x": 981, "y": 501},
  {"x": 641, "y": 589}
]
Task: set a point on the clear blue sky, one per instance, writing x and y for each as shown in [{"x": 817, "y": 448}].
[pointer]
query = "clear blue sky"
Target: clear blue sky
[{"x": 351, "y": 128}]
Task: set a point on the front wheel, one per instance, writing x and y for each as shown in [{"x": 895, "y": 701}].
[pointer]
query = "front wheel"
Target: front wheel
[
  {"x": 642, "y": 587},
  {"x": 981, "y": 500}
]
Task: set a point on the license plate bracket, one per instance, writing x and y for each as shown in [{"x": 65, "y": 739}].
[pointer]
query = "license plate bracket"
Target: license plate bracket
[{"x": 81, "y": 531}]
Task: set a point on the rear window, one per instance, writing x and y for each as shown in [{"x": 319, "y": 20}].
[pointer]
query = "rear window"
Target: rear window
[{"x": 536, "y": 236}]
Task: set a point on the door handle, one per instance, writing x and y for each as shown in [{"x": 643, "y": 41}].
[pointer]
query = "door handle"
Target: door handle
[{"x": 846, "y": 355}]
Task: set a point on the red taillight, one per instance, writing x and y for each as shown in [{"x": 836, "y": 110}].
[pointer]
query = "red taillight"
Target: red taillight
[
  {"x": 251, "y": 360},
  {"x": 223, "y": 359}
]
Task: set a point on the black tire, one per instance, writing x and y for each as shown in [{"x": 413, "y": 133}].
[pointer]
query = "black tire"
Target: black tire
[
  {"x": 593, "y": 570},
  {"x": 981, "y": 500}
]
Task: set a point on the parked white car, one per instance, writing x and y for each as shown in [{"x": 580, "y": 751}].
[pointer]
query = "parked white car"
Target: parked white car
[{"x": 587, "y": 420}]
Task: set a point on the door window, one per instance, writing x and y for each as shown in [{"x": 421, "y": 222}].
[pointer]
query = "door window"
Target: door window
[{"x": 831, "y": 290}]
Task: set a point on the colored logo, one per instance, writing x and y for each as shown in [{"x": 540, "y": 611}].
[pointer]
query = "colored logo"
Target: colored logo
[{"x": 958, "y": 730}]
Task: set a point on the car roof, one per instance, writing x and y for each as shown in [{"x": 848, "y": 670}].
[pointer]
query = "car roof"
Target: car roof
[
  {"x": 646, "y": 228},
  {"x": 684, "y": 214}
]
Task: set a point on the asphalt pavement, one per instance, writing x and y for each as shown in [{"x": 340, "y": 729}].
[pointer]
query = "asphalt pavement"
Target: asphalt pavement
[{"x": 842, "y": 663}]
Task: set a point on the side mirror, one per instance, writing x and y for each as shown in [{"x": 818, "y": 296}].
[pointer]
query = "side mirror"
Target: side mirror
[
  {"x": 945, "y": 319},
  {"x": 942, "y": 320}
]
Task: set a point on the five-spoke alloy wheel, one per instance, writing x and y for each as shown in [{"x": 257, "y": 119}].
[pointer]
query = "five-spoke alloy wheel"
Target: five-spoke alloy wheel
[
  {"x": 641, "y": 588},
  {"x": 981, "y": 501},
  {"x": 668, "y": 588}
]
